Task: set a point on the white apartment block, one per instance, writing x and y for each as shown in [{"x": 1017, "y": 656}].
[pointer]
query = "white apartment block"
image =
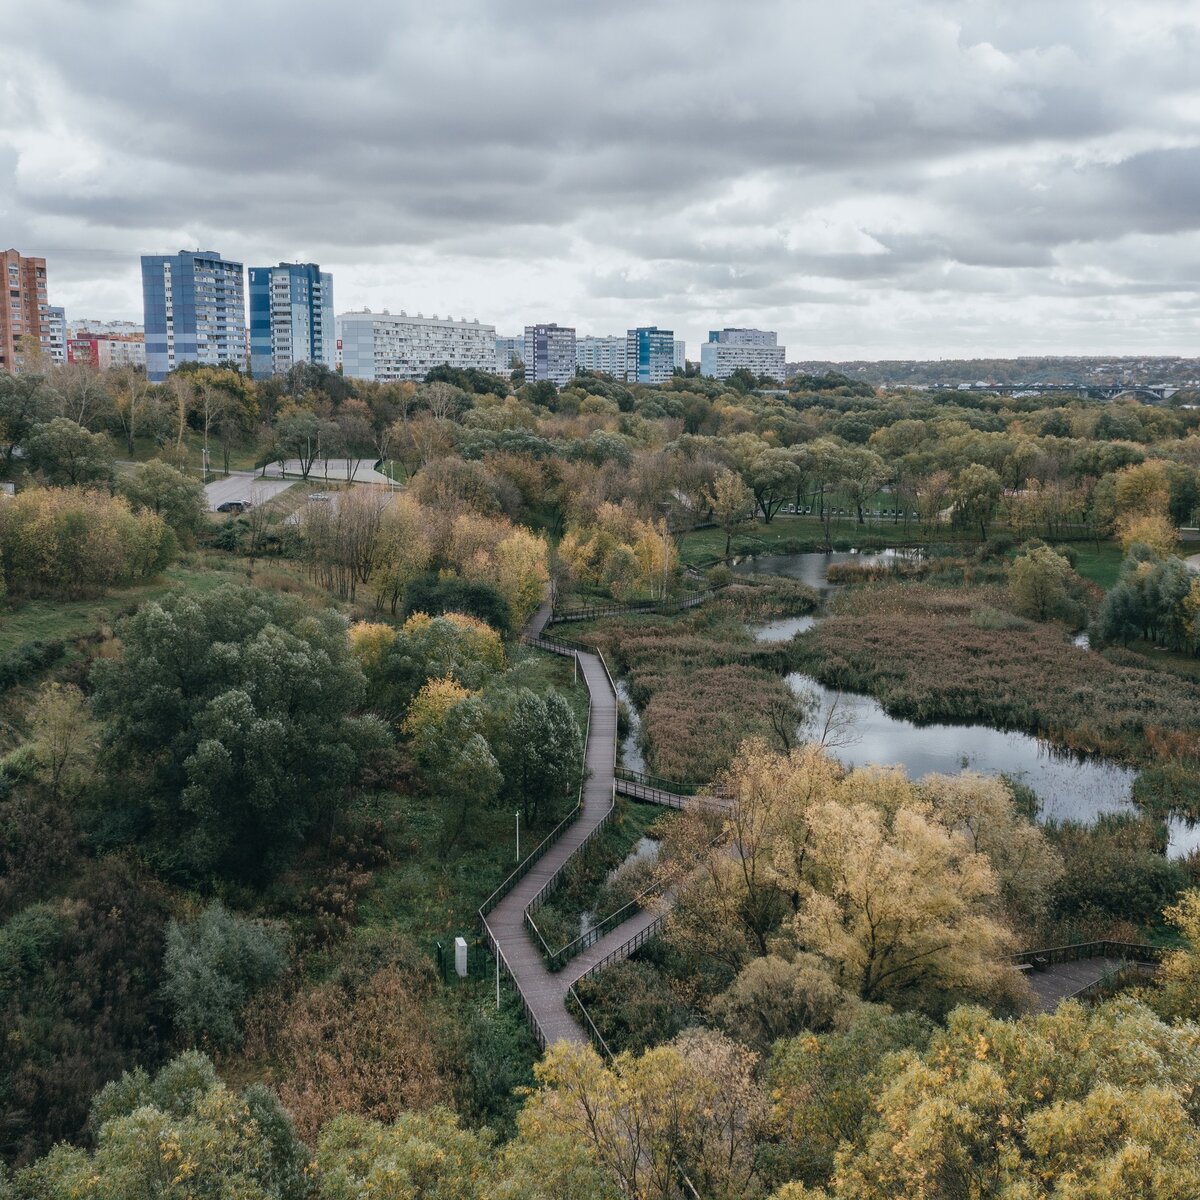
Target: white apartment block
[
  {"x": 680, "y": 355},
  {"x": 85, "y": 325},
  {"x": 384, "y": 347},
  {"x": 729, "y": 350},
  {"x": 606, "y": 354},
  {"x": 57, "y": 320}
]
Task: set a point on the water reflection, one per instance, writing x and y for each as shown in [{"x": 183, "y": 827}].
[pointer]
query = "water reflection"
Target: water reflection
[
  {"x": 784, "y": 629},
  {"x": 631, "y": 744},
  {"x": 1070, "y": 788},
  {"x": 812, "y": 568}
]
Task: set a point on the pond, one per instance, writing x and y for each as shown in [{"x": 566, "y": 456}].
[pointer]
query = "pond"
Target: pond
[
  {"x": 1070, "y": 787},
  {"x": 784, "y": 629},
  {"x": 811, "y": 568}
]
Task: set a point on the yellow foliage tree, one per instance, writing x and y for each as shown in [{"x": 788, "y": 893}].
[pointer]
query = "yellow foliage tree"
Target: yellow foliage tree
[
  {"x": 369, "y": 642},
  {"x": 1154, "y": 530}
]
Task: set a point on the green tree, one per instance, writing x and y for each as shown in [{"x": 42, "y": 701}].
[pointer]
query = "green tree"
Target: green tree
[
  {"x": 540, "y": 751},
  {"x": 159, "y": 488},
  {"x": 24, "y": 402},
  {"x": 975, "y": 494},
  {"x": 773, "y": 477},
  {"x": 1039, "y": 582},
  {"x": 64, "y": 452},
  {"x": 213, "y": 965},
  {"x": 181, "y": 1133},
  {"x": 861, "y": 474},
  {"x": 230, "y": 729}
]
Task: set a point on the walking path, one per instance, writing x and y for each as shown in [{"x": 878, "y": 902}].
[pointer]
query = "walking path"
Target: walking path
[{"x": 544, "y": 992}]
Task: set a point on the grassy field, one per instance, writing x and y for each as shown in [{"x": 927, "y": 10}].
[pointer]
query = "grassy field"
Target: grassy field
[{"x": 1101, "y": 564}]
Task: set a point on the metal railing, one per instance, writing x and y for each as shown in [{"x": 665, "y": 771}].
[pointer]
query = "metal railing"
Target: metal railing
[
  {"x": 625, "y": 949},
  {"x": 1052, "y": 955},
  {"x": 614, "y": 608}
]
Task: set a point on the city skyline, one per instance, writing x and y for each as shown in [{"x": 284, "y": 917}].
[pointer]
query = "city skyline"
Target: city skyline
[{"x": 948, "y": 181}]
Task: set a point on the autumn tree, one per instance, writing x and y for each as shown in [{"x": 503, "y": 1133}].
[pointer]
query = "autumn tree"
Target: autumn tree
[
  {"x": 732, "y": 504},
  {"x": 901, "y": 907},
  {"x": 975, "y": 494},
  {"x": 63, "y": 738},
  {"x": 1039, "y": 584},
  {"x": 159, "y": 488}
]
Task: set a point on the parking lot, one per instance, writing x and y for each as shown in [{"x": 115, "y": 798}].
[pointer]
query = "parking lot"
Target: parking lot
[{"x": 243, "y": 489}]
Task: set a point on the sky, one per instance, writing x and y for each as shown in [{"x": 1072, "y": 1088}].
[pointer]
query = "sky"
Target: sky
[{"x": 871, "y": 178}]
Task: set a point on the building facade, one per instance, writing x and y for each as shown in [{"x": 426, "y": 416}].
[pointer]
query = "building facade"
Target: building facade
[
  {"x": 84, "y": 325},
  {"x": 510, "y": 353},
  {"x": 291, "y": 318},
  {"x": 549, "y": 354},
  {"x": 103, "y": 350},
  {"x": 754, "y": 350},
  {"x": 195, "y": 309},
  {"x": 58, "y": 334},
  {"x": 649, "y": 354},
  {"x": 680, "y": 355},
  {"x": 25, "y": 326},
  {"x": 603, "y": 354},
  {"x": 386, "y": 347}
]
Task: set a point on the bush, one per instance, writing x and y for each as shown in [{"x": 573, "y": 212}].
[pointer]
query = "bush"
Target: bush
[
  {"x": 213, "y": 966},
  {"x": 435, "y": 596},
  {"x": 65, "y": 542},
  {"x": 26, "y": 660}
]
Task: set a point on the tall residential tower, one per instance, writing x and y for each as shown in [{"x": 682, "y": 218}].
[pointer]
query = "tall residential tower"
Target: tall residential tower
[
  {"x": 25, "y": 323},
  {"x": 649, "y": 354},
  {"x": 291, "y": 318},
  {"x": 195, "y": 311},
  {"x": 549, "y": 354}
]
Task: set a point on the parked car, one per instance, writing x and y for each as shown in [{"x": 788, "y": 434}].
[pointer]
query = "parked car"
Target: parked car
[
  {"x": 234, "y": 506},
  {"x": 319, "y": 497}
]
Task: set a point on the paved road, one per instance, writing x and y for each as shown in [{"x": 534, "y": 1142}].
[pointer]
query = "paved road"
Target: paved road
[{"x": 243, "y": 487}]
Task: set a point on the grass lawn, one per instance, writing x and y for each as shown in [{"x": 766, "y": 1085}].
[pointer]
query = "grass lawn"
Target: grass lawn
[
  {"x": 1100, "y": 564},
  {"x": 70, "y": 620}
]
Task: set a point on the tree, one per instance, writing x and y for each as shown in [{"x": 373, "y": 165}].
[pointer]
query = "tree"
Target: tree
[
  {"x": 297, "y": 435},
  {"x": 138, "y": 408},
  {"x": 773, "y": 478},
  {"x": 975, "y": 494},
  {"x": 63, "y": 737},
  {"x": 692, "y": 1105},
  {"x": 1079, "y": 1103},
  {"x": 732, "y": 504},
  {"x": 180, "y": 1133},
  {"x": 24, "y": 402},
  {"x": 900, "y": 910},
  {"x": 1153, "y": 530},
  {"x": 230, "y": 729},
  {"x": 862, "y": 473},
  {"x": 157, "y": 487},
  {"x": 64, "y": 452},
  {"x": 66, "y": 542},
  {"x": 520, "y": 570},
  {"x": 342, "y": 538},
  {"x": 213, "y": 965},
  {"x": 539, "y": 748},
  {"x": 1177, "y": 994},
  {"x": 1038, "y": 583}
]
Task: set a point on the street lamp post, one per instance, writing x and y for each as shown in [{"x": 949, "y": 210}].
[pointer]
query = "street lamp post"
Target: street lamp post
[{"x": 518, "y": 837}]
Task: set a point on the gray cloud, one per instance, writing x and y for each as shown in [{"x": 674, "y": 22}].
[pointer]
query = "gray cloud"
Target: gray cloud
[{"x": 937, "y": 177}]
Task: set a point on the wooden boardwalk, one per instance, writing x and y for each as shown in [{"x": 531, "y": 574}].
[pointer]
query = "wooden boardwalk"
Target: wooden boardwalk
[{"x": 542, "y": 991}]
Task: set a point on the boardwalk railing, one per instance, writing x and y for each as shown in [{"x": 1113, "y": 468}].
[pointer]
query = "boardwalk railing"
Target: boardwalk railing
[
  {"x": 614, "y": 608},
  {"x": 1124, "y": 951}
]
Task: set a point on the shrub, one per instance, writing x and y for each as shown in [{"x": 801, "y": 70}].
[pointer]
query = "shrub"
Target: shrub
[
  {"x": 66, "y": 542},
  {"x": 213, "y": 966},
  {"x": 26, "y": 660}
]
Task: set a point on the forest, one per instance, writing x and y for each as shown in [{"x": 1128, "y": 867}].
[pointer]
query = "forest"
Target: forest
[{"x": 259, "y": 769}]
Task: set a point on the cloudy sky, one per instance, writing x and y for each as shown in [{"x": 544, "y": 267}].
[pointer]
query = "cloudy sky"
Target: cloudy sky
[{"x": 873, "y": 178}]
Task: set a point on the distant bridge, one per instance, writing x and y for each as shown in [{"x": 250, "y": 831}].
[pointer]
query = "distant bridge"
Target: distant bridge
[{"x": 1154, "y": 393}]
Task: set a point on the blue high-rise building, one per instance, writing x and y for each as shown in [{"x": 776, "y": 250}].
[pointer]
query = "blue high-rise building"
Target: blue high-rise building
[
  {"x": 291, "y": 318},
  {"x": 195, "y": 309},
  {"x": 649, "y": 354}
]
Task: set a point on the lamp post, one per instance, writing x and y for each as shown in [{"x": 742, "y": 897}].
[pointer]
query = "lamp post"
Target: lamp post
[{"x": 518, "y": 814}]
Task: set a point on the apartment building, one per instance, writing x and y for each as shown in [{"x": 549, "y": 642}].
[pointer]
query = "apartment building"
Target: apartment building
[
  {"x": 291, "y": 318},
  {"x": 105, "y": 350},
  {"x": 755, "y": 350},
  {"x": 510, "y": 351},
  {"x": 649, "y": 354},
  {"x": 604, "y": 354},
  {"x": 385, "y": 347},
  {"x": 195, "y": 310},
  {"x": 680, "y": 355},
  {"x": 25, "y": 322},
  {"x": 549, "y": 354}
]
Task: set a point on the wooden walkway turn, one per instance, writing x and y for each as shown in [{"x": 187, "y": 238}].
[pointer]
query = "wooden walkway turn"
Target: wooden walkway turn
[{"x": 544, "y": 992}]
